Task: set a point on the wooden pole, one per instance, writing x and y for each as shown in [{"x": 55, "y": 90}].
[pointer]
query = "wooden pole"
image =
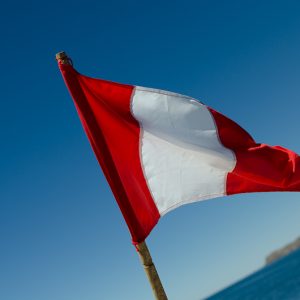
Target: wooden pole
[
  {"x": 63, "y": 58},
  {"x": 149, "y": 267},
  {"x": 142, "y": 248}
]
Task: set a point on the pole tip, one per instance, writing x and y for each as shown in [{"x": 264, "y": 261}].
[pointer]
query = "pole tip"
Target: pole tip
[{"x": 63, "y": 58}]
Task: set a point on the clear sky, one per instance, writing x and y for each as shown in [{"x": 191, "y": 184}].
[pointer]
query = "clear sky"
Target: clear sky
[{"x": 62, "y": 235}]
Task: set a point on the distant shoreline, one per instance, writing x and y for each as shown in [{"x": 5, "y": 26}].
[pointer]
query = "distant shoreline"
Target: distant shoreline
[{"x": 277, "y": 254}]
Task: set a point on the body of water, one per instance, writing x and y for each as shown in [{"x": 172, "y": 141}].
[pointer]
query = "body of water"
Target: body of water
[{"x": 277, "y": 281}]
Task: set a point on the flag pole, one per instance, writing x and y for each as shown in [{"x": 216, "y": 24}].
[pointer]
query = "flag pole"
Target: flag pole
[
  {"x": 150, "y": 270},
  {"x": 63, "y": 58},
  {"x": 142, "y": 248}
]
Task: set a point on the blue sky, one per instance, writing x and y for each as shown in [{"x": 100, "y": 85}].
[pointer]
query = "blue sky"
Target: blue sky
[{"x": 62, "y": 235}]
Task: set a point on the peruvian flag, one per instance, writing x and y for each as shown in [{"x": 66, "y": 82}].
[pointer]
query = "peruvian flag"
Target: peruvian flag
[{"x": 160, "y": 150}]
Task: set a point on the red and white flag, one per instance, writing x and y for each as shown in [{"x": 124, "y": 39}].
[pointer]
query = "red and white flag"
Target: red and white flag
[{"x": 160, "y": 150}]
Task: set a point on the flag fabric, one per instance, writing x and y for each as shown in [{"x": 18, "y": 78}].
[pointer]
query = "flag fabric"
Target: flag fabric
[{"x": 160, "y": 150}]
